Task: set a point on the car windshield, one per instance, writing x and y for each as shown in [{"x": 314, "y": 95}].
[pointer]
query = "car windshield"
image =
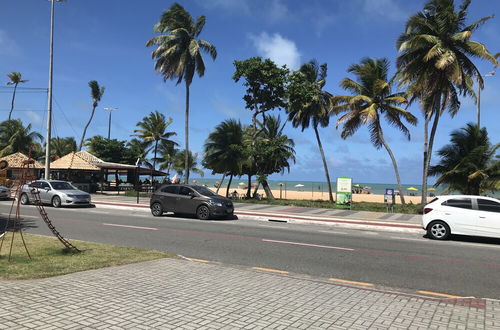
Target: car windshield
[
  {"x": 204, "y": 191},
  {"x": 62, "y": 186}
]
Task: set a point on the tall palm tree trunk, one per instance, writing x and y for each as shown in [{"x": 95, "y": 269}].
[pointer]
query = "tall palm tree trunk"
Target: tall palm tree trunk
[
  {"x": 220, "y": 184},
  {"x": 85, "y": 129},
  {"x": 249, "y": 187},
  {"x": 186, "y": 128},
  {"x": 154, "y": 162},
  {"x": 429, "y": 155},
  {"x": 12, "y": 103},
  {"x": 229, "y": 185},
  {"x": 394, "y": 164},
  {"x": 325, "y": 166},
  {"x": 267, "y": 189},
  {"x": 426, "y": 147}
]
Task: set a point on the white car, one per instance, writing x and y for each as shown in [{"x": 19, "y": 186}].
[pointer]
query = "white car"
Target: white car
[
  {"x": 4, "y": 192},
  {"x": 462, "y": 215}
]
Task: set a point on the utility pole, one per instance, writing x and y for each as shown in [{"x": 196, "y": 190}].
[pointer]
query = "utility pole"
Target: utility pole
[
  {"x": 49, "y": 101},
  {"x": 489, "y": 74},
  {"x": 109, "y": 121}
]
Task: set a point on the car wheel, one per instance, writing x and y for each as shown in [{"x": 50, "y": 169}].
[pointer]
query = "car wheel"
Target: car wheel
[
  {"x": 24, "y": 199},
  {"x": 56, "y": 201},
  {"x": 438, "y": 230},
  {"x": 156, "y": 209},
  {"x": 203, "y": 212}
]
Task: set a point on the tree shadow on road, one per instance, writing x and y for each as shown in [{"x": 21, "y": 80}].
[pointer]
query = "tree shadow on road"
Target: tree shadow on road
[{"x": 23, "y": 224}]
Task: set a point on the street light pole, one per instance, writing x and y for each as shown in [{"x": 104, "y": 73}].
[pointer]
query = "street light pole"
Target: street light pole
[
  {"x": 49, "y": 101},
  {"x": 489, "y": 74},
  {"x": 109, "y": 121}
]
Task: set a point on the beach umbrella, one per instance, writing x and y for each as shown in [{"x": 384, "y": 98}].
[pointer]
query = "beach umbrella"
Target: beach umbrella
[
  {"x": 431, "y": 189},
  {"x": 367, "y": 188},
  {"x": 299, "y": 185},
  {"x": 357, "y": 185},
  {"x": 241, "y": 183},
  {"x": 412, "y": 189}
]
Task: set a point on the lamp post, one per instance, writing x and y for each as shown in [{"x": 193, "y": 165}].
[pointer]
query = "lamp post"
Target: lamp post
[
  {"x": 109, "y": 122},
  {"x": 49, "y": 101},
  {"x": 489, "y": 74}
]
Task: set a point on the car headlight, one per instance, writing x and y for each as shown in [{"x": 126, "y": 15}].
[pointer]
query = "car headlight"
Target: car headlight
[{"x": 214, "y": 203}]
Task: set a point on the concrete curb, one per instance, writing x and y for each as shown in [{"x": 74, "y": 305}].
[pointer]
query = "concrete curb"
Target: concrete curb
[{"x": 280, "y": 217}]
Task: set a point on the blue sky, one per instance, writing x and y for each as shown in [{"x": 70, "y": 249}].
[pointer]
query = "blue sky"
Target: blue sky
[{"x": 104, "y": 40}]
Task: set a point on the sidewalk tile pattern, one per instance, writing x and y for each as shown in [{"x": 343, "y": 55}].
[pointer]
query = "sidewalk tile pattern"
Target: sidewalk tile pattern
[{"x": 178, "y": 294}]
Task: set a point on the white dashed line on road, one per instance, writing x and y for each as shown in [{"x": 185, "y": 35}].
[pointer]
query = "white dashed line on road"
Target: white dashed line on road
[{"x": 126, "y": 226}]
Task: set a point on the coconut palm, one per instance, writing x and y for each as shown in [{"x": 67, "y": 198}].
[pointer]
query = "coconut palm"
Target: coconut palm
[
  {"x": 178, "y": 54},
  {"x": 435, "y": 63},
  {"x": 62, "y": 146},
  {"x": 15, "y": 79},
  {"x": 96, "y": 93},
  {"x": 153, "y": 130},
  {"x": 167, "y": 153},
  {"x": 372, "y": 99},
  {"x": 14, "y": 137},
  {"x": 468, "y": 163},
  {"x": 180, "y": 167},
  {"x": 224, "y": 151},
  {"x": 274, "y": 151},
  {"x": 309, "y": 103}
]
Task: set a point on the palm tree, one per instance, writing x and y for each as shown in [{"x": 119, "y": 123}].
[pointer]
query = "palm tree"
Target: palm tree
[
  {"x": 180, "y": 167},
  {"x": 153, "y": 130},
  {"x": 468, "y": 163},
  {"x": 96, "y": 93},
  {"x": 14, "y": 137},
  {"x": 178, "y": 54},
  {"x": 62, "y": 146},
  {"x": 372, "y": 98},
  {"x": 15, "y": 79},
  {"x": 224, "y": 151},
  {"x": 274, "y": 151},
  {"x": 307, "y": 102},
  {"x": 167, "y": 153},
  {"x": 435, "y": 62}
]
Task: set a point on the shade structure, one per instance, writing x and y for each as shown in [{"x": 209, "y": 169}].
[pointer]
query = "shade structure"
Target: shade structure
[
  {"x": 299, "y": 185},
  {"x": 431, "y": 189},
  {"x": 412, "y": 189},
  {"x": 357, "y": 185},
  {"x": 241, "y": 183}
]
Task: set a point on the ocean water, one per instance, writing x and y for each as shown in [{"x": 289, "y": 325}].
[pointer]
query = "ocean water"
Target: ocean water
[{"x": 314, "y": 187}]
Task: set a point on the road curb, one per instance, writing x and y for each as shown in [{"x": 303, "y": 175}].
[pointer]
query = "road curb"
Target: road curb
[{"x": 280, "y": 217}]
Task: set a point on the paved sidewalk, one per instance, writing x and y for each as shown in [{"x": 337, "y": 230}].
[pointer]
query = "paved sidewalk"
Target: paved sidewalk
[
  {"x": 396, "y": 221},
  {"x": 180, "y": 294}
]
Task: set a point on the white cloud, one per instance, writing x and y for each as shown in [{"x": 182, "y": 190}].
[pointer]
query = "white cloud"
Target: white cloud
[
  {"x": 280, "y": 50},
  {"x": 7, "y": 45},
  {"x": 389, "y": 9}
]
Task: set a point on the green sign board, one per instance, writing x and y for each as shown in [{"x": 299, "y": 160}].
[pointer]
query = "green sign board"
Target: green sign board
[{"x": 344, "y": 192}]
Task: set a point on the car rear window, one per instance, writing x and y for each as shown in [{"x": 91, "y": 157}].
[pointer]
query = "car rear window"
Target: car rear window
[
  {"x": 463, "y": 203},
  {"x": 169, "y": 189},
  {"x": 488, "y": 205}
]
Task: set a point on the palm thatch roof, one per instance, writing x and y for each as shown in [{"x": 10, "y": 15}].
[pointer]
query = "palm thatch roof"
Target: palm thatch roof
[
  {"x": 81, "y": 160},
  {"x": 16, "y": 161}
]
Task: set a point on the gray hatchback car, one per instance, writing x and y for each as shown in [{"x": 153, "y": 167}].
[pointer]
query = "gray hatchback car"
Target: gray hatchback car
[{"x": 190, "y": 199}]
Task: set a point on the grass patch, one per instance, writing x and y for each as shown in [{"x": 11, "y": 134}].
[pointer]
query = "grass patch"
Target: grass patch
[
  {"x": 356, "y": 206},
  {"x": 50, "y": 258}
]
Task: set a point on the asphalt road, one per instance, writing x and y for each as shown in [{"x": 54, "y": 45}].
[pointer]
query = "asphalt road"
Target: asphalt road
[{"x": 405, "y": 262}]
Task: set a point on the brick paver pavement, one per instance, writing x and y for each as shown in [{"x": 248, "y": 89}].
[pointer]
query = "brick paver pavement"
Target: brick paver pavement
[{"x": 179, "y": 294}]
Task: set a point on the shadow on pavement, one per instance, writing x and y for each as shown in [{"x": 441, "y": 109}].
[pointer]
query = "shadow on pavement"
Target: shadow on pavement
[
  {"x": 190, "y": 216},
  {"x": 24, "y": 224},
  {"x": 471, "y": 239}
]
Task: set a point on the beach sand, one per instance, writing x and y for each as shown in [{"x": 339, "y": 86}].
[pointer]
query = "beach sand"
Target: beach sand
[{"x": 308, "y": 195}]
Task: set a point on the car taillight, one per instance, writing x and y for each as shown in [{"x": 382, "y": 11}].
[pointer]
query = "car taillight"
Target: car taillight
[{"x": 427, "y": 210}]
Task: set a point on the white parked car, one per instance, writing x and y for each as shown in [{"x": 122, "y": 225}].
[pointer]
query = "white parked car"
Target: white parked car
[{"x": 462, "y": 215}]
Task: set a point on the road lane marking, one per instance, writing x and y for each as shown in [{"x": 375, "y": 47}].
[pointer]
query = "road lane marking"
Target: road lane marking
[
  {"x": 132, "y": 227},
  {"x": 350, "y": 282},
  {"x": 309, "y": 245},
  {"x": 270, "y": 270},
  {"x": 437, "y": 294},
  {"x": 332, "y": 232},
  {"x": 197, "y": 260}
]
